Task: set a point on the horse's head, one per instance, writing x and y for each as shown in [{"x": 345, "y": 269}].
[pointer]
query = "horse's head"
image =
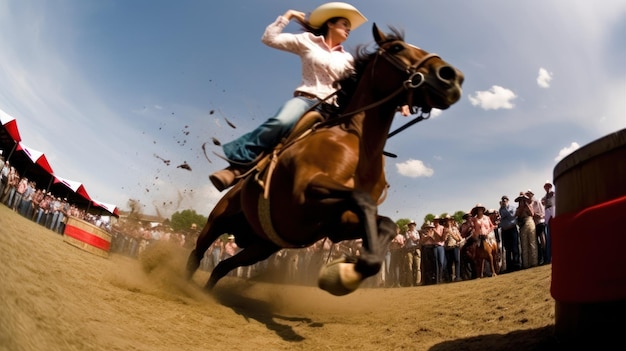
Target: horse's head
[{"x": 429, "y": 81}]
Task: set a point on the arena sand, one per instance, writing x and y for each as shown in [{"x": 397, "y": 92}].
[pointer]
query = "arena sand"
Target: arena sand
[{"x": 55, "y": 296}]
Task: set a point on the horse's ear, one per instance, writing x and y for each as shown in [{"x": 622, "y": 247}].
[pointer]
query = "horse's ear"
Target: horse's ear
[{"x": 379, "y": 36}]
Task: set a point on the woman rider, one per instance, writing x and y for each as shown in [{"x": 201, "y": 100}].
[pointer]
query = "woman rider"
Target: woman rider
[{"x": 324, "y": 61}]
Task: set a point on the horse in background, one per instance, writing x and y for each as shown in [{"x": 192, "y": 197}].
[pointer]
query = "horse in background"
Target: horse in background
[
  {"x": 487, "y": 250},
  {"x": 328, "y": 184},
  {"x": 474, "y": 254}
]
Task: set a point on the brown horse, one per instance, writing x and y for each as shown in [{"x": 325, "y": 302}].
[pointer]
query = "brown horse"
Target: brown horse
[
  {"x": 327, "y": 184},
  {"x": 487, "y": 250}
]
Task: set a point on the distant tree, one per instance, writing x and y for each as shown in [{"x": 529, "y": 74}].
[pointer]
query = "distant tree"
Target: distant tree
[
  {"x": 428, "y": 218},
  {"x": 403, "y": 224},
  {"x": 458, "y": 216},
  {"x": 183, "y": 220}
]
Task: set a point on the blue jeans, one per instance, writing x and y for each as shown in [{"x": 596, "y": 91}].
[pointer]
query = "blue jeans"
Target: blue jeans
[
  {"x": 440, "y": 263},
  {"x": 40, "y": 214},
  {"x": 247, "y": 147}
]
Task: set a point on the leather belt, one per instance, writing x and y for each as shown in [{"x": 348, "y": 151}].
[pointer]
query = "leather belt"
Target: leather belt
[{"x": 304, "y": 94}]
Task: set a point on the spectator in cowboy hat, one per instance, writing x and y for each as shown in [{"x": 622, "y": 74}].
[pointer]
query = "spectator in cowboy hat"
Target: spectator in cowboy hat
[
  {"x": 482, "y": 224},
  {"x": 539, "y": 216},
  {"x": 324, "y": 61},
  {"x": 510, "y": 235},
  {"x": 428, "y": 262},
  {"x": 528, "y": 236},
  {"x": 413, "y": 254}
]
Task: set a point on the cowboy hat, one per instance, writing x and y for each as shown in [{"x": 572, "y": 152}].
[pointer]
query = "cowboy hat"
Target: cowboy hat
[
  {"x": 529, "y": 192},
  {"x": 329, "y": 10},
  {"x": 412, "y": 222},
  {"x": 475, "y": 209},
  {"x": 547, "y": 183},
  {"x": 521, "y": 196},
  {"x": 231, "y": 237},
  {"x": 428, "y": 224}
]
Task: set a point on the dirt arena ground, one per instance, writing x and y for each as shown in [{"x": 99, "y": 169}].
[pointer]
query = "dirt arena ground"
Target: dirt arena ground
[{"x": 54, "y": 296}]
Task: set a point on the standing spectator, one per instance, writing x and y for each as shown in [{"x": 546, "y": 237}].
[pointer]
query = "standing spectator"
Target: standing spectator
[
  {"x": 27, "y": 199},
  {"x": 215, "y": 251},
  {"x": 230, "y": 248},
  {"x": 13, "y": 178},
  {"x": 548, "y": 202},
  {"x": 452, "y": 236},
  {"x": 55, "y": 208},
  {"x": 427, "y": 243},
  {"x": 510, "y": 235},
  {"x": 37, "y": 198},
  {"x": 4, "y": 176},
  {"x": 396, "y": 247},
  {"x": 466, "y": 226},
  {"x": 539, "y": 217},
  {"x": 44, "y": 208},
  {"x": 22, "y": 185},
  {"x": 64, "y": 209},
  {"x": 494, "y": 215},
  {"x": 467, "y": 247},
  {"x": 528, "y": 236},
  {"x": 413, "y": 253},
  {"x": 483, "y": 227},
  {"x": 440, "y": 252}
]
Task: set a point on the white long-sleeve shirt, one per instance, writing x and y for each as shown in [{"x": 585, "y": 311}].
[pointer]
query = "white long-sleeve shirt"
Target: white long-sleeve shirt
[{"x": 321, "y": 65}]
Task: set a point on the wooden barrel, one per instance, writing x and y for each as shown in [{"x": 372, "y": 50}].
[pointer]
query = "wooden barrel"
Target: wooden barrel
[
  {"x": 588, "y": 235},
  {"x": 87, "y": 236}
]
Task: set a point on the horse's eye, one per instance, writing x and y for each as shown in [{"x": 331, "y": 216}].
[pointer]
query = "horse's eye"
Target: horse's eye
[{"x": 396, "y": 48}]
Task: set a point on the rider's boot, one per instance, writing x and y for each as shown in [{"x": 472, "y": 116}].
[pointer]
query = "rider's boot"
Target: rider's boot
[{"x": 225, "y": 178}]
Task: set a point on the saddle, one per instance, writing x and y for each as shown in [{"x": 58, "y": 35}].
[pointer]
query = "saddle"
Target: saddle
[{"x": 265, "y": 166}]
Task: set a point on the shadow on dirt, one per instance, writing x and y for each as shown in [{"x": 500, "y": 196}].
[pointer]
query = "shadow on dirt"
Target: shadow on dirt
[
  {"x": 541, "y": 339},
  {"x": 263, "y": 312}
]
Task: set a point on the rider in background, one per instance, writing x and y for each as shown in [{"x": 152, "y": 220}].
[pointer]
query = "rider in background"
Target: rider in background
[{"x": 324, "y": 61}]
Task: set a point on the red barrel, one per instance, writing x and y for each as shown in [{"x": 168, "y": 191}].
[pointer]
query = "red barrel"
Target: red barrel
[
  {"x": 588, "y": 241},
  {"x": 87, "y": 236}
]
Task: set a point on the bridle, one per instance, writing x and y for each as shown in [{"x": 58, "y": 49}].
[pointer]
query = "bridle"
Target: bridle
[{"x": 414, "y": 80}]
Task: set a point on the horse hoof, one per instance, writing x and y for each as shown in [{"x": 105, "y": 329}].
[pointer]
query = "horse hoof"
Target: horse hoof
[{"x": 339, "y": 278}]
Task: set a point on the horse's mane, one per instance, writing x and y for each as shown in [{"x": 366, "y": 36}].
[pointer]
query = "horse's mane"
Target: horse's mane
[{"x": 363, "y": 56}]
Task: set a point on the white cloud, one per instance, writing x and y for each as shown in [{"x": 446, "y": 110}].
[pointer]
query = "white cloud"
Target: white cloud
[
  {"x": 414, "y": 168},
  {"x": 495, "y": 98},
  {"x": 566, "y": 151},
  {"x": 544, "y": 78},
  {"x": 435, "y": 113}
]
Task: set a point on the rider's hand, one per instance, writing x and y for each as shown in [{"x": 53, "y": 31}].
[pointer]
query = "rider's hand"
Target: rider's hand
[
  {"x": 293, "y": 14},
  {"x": 405, "y": 110}
]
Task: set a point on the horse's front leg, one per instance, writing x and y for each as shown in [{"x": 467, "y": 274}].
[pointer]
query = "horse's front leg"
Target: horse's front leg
[
  {"x": 493, "y": 267},
  {"x": 342, "y": 277}
]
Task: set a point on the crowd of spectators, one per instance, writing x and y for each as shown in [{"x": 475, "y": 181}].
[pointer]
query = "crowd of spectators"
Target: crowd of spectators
[
  {"x": 438, "y": 252},
  {"x": 42, "y": 207}
]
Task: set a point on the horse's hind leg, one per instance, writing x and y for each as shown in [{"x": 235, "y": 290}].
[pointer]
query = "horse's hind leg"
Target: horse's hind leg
[
  {"x": 248, "y": 256},
  {"x": 196, "y": 255}
]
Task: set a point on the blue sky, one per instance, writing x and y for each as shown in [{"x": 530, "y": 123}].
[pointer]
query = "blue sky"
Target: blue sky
[{"x": 108, "y": 90}]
